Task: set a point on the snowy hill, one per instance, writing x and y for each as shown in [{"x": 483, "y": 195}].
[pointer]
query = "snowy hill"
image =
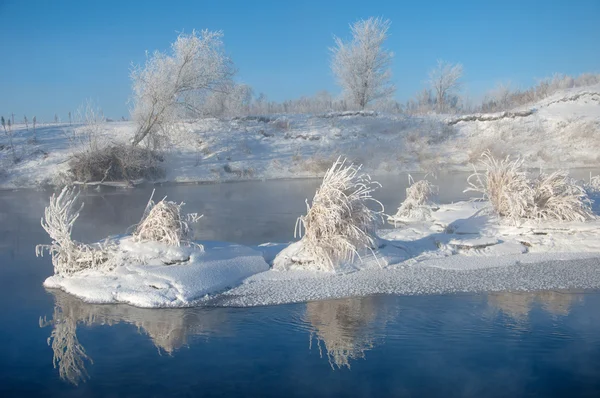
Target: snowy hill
[{"x": 561, "y": 131}]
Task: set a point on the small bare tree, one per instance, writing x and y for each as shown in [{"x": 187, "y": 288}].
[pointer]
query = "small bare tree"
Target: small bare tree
[
  {"x": 70, "y": 120},
  {"x": 55, "y": 118},
  {"x": 26, "y": 122},
  {"x": 445, "y": 80},
  {"x": 170, "y": 85},
  {"x": 362, "y": 66},
  {"x": 34, "y": 123},
  {"x": 9, "y": 135}
]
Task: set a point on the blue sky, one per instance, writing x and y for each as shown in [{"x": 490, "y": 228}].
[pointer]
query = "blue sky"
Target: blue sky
[{"x": 56, "y": 54}]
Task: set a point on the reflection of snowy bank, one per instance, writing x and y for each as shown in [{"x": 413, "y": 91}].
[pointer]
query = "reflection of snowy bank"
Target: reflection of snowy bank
[{"x": 169, "y": 329}]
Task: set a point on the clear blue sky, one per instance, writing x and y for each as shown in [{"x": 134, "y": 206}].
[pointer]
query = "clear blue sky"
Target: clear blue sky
[{"x": 55, "y": 54}]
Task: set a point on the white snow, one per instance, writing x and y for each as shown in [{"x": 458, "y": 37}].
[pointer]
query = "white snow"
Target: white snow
[
  {"x": 562, "y": 132},
  {"x": 149, "y": 281},
  {"x": 464, "y": 247}
]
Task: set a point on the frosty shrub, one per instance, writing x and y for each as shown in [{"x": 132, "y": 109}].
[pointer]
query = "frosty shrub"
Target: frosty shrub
[
  {"x": 418, "y": 204},
  {"x": 339, "y": 224},
  {"x": 593, "y": 185},
  {"x": 558, "y": 197},
  {"x": 115, "y": 163},
  {"x": 163, "y": 222},
  {"x": 516, "y": 197},
  {"x": 69, "y": 256}
]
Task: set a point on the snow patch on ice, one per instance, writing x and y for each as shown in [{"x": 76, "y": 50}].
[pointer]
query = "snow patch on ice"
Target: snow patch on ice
[{"x": 164, "y": 276}]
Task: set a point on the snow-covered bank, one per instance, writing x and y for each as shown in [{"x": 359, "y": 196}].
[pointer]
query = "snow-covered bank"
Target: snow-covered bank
[
  {"x": 462, "y": 248},
  {"x": 560, "y": 132},
  {"x": 164, "y": 276}
]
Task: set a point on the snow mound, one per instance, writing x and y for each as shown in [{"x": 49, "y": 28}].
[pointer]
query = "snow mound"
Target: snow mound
[{"x": 152, "y": 274}]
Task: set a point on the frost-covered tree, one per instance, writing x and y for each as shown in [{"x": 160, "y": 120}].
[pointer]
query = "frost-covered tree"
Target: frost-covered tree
[
  {"x": 445, "y": 80},
  {"x": 26, "y": 122},
  {"x": 171, "y": 85},
  {"x": 362, "y": 65},
  {"x": 3, "y": 123},
  {"x": 55, "y": 118},
  {"x": 34, "y": 120},
  {"x": 231, "y": 101}
]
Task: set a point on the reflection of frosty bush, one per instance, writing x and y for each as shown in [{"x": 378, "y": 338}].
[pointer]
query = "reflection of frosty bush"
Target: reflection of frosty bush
[
  {"x": 169, "y": 329},
  {"x": 517, "y": 305},
  {"x": 343, "y": 326}
]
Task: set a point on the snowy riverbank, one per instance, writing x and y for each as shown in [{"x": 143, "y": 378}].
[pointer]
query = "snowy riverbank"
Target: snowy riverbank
[
  {"x": 462, "y": 248},
  {"x": 557, "y": 132}
]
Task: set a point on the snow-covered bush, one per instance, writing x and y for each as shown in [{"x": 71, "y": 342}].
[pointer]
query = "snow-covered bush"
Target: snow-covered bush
[
  {"x": 593, "y": 185},
  {"x": 338, "y": 225},
  {"x": 69, "y": 256},
  {"x": 115, "y": 163},
  {"x": 514, "y": 196},
  {"x": 418, "y": 204},
  {"x": 505, "y": 184},
  {"x": 559, "y": 197},
  {"x": 163, "y": 222}
]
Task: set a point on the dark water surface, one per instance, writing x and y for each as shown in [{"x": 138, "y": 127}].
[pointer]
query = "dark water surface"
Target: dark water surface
[{"x": 497, "y": 345}]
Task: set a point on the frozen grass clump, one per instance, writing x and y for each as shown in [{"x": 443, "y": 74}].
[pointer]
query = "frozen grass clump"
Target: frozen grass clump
[
  {"x": 163, "y": 222},
  {"x": 505, "y": 185},
  {"x": 418, "y": 204},
  {"x": 558, "y": 197},
  {"x": 69, "y": 256},
  {"x": 516, "y": 197},
  {"x": 339, "y": 224},
  {"x": 593, "y": 185}
]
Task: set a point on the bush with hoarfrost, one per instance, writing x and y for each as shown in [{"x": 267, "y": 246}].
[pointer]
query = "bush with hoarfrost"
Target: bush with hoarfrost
[
  {"x": 338, "y": 225},
  {"x": 69, "y": 256},
  {"x": 516, "y": 197},
  {"x": 163, "y": 222},
  {"x": 418, "y": 204}
]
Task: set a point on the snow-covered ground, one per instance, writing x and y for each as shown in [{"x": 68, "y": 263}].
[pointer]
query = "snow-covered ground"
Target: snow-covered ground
[
  {"x": 464, "y": 247},
  {"x": 561, "y": 132}
]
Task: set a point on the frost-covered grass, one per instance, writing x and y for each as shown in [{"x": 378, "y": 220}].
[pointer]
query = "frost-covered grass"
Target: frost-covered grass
[
  {"x": 163, "y": 222},
  {"x": 69, "y": 256},
  {"x": 418, "y": 204},
  {"x": 339, "y": 224},
  {"x": 516, "y": 197}
]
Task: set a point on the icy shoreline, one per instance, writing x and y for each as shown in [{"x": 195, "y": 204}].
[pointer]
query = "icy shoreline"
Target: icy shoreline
[{"x": 462, "y": 248}]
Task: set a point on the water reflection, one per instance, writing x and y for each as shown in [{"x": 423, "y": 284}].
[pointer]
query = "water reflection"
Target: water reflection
[
  {"x": 168, "y": 329},
  {"x": 518, "y": 305},
  {"x": 346, "y": 329}
]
